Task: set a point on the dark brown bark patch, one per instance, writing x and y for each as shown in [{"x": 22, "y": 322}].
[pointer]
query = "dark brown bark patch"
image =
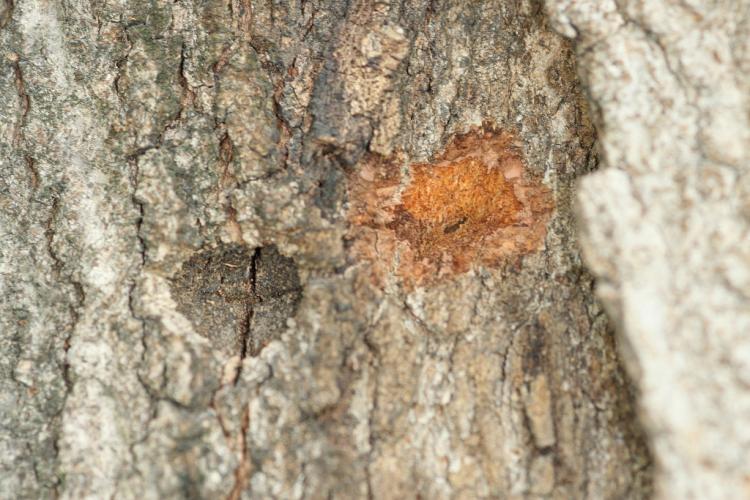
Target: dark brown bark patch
[{"x": 238, "y": 297}]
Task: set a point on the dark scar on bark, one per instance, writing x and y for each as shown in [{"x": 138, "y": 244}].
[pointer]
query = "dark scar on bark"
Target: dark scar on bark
[{"x": 238, "y": 297}]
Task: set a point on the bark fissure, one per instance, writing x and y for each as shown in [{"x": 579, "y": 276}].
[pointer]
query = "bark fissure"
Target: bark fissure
[
  {"x": 33, "y": 171},
  {"x": 121, "y": 63},
  {"x": 243, "y": 470},
  {"x": 250, "y": 301},
  {"x": 24, "y": 99}
]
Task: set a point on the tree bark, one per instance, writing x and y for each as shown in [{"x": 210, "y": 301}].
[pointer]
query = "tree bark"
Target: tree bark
[
  {"x": 665, "y": 224},
  {"x": 287, "y": 249}
]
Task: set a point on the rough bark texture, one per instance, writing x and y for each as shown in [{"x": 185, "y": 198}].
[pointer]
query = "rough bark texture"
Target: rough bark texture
[
  {"x": 666, "y": 224},
  {"x": 222, "y": 276}
]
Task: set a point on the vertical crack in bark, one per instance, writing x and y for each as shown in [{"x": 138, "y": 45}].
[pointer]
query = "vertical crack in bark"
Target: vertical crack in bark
[
  {"x": 23, "y": 97},
  {"x": 120, "y": 64},
  {"x": 188, "y": 96},
  {"x": 18, "y": 134},
  {"x": 57, "y": 270},
  {"x": 134, "y": 174},
  {"x": 49, "y": 234},
  {"x": 252, "y": 297},
  {"x": 132, "y": 306},
  {"x": 242, "y": 472},
  {"x": 33, "y": 171},
  {"x": 74, "y": 309}
]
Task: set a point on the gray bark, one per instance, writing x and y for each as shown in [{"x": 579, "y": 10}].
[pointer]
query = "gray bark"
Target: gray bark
[
  {"x": 666, "y": 225},
  {"x": 220, "y": 276}
]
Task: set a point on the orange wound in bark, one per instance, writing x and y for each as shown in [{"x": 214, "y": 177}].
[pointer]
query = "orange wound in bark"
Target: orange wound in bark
[{"x": 475, "y": 204}]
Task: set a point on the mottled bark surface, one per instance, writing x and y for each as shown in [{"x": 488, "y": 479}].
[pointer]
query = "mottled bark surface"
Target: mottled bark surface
[
  {"x": 666, "y": 223},
  {"x": 152, "y": 154}
]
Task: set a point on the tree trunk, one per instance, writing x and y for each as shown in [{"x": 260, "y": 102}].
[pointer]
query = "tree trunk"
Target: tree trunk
[
  {"x": 285, "y": 249},
  {"x": 666, "y": 223}
]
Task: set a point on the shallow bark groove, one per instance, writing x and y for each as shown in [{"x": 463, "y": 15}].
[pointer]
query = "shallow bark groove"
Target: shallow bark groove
[{"x": 207, "y": 314}]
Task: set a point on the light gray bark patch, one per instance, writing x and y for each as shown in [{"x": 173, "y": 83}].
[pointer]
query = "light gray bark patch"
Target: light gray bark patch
[{"x": 238, "y": 297}]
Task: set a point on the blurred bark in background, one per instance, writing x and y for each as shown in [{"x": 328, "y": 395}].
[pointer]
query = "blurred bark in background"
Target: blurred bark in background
[{"x": 666, "y": 222}]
